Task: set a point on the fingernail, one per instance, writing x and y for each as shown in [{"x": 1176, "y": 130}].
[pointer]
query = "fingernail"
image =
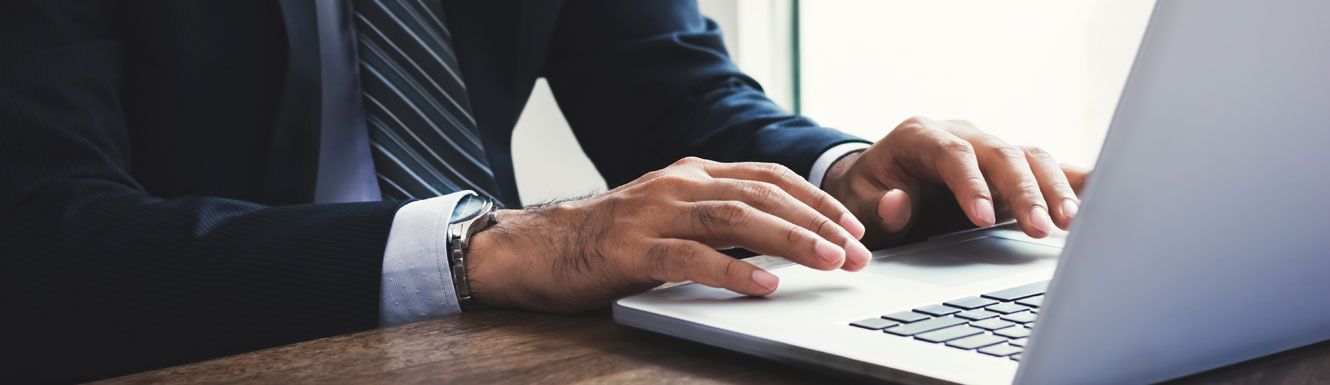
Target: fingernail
[
  {"x": 850, "y": 223},
  {"x": 983, "y": 209},
  {"x": 1040, "y": 220},
  {"x": 858, "y": 249},
  {"x": 1070, "y": 208},
  {"x": 765, "y": 280},
  {"x": 828, "y": 252}
]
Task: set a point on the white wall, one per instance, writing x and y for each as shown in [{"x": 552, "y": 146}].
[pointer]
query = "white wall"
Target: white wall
[
  {"x": 547, "y": 160},
  {"x": 1040, "y": 72}
]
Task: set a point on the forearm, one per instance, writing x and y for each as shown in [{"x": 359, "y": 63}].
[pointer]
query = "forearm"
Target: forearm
[
  {"x": 183, "y": 279},
  {"x": 644, "y": 84}
]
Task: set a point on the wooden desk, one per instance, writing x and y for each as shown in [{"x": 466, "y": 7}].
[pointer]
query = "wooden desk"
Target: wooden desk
[{"x": 512, "y": 347}]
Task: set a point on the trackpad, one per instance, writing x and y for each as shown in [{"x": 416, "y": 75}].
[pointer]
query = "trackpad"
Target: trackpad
[{"x": 967, "y": 261}]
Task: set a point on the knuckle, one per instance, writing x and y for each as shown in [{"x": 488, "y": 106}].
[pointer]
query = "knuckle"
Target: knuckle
[
  {"x": 689, "y": 161},
  {"x": 731, "y": 211},
  {"x": 1007, "y": 151},
  {"x": 1062, "y": 187},
  {"x": 666, "y": 259},
  {"x": 1030, "y": 190},
  {"x": 913, "y": 124},
  {"x": 977, "y": 182},
  {"x": 822, "y": 225},
  {"x": 722, "y": 214},
  {"x": 732, "y": 268},
  {"x": 956, "y": 145},
  {"x": 778, "y": 170},
  {"x": 1037, "y": 153},
  {"x": 761, "y": 191},
  {"x": 657, "y": 255},
  {"x": 793, "y": 234},
  {"x": 823, "y": 202},
  {"x": 684, "y": 256}
]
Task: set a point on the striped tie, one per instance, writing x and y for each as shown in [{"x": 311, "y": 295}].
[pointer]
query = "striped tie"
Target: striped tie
[{"x": 423, "y": 136}]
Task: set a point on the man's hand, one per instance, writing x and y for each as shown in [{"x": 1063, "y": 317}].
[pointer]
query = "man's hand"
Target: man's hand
[
  {"x": 665, "y": 226},
  {"x": 988, "y": 177}
]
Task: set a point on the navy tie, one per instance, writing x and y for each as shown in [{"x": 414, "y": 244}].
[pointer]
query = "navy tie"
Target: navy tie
[{"x": 422, "y": 133}]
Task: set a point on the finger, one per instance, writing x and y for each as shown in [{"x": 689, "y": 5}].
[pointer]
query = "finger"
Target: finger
[
  {"x": 955, "y": 162},
  {"x": 674, "y": 260},
  {"x": 1076, "y": 175},
  {"x": 773, "y": 200},
  {"x": 894, "y": 210},
  {"x": 726, "y": 224},
  {"x": 1008, "y": 170},
  {"x": 1053, "y": 183},
  {"x": 793, "y": 183}
]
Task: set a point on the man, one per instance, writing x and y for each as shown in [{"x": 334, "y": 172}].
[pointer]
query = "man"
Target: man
[{"x": 186, "y": 180}]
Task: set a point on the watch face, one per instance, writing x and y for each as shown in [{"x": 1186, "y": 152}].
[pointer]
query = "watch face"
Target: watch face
[{"x": 468, "y": 207}]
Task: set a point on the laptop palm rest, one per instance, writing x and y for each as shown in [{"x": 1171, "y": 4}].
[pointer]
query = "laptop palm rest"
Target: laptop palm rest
[
  {"x": 965, "y": 262},
  {"x": 806, "y": 319}
]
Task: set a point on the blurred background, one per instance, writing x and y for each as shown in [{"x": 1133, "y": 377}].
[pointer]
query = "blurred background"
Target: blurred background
[{"x": 1038, "y": 72}]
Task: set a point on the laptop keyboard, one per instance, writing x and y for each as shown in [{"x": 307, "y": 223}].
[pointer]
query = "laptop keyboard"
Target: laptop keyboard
[{"x": 996, "y": 324}]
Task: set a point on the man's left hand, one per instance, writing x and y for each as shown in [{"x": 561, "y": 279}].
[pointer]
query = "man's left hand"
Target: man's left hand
[{"x": 885, "y": 184}]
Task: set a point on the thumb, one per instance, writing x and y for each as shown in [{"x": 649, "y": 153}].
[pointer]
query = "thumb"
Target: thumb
[{"x": 893, "y": 209}]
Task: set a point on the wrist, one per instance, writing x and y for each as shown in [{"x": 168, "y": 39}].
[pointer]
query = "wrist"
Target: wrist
[
  {"x": 489, "y": 258},
  {"x": 501, "y": 269}
]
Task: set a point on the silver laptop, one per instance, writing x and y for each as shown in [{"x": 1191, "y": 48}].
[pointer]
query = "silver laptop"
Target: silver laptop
[{"x": 1204, "y": 237}]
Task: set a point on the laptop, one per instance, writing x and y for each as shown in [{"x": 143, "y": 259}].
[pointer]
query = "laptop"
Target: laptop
[{"x": 1203, "y": 238}]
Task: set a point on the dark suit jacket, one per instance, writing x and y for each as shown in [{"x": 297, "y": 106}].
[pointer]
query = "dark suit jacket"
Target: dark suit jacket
[{"x": 157, "y": 160}]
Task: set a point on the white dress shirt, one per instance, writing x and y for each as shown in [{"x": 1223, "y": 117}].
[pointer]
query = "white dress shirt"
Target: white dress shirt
[{"x": 417, "y": 284}]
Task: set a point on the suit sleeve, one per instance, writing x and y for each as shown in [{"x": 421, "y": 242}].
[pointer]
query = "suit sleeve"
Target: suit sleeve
[
  {"x": 645, "y": 83},
  {"x": 102, "y": 278}
]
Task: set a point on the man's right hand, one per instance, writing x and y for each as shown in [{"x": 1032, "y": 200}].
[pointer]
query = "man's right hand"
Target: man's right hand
[{"x": 663, "y": 227}]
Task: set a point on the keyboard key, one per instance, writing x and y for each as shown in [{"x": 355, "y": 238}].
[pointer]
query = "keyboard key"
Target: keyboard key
[
  {"x": 937, "y": 310},
  {"x": 1024, "y": 317},
  {"x": 1016, "y": 357},
  {"x": 1029, "y": 325},
  {"x": 1019, "y": 341},
  {"x": 948, "y": 334},
  {"x": 1032, "y": 301},
  {"x": 923, "y": 326},
  {"x": 992, "y": 324},
  {"x": 1013, "y": 332},
  {"x": 906, "y": 316},
  {"x": 1019, "y": 292},
  {"x": 975, "y": 342},
  {"x": 1001, "y": 350},
  {"x": 977, "y": 314},
  {"x": 875, "y": 323},
  {"x": 970, "y": 303},
  {"x": 1007, "y": 308}
]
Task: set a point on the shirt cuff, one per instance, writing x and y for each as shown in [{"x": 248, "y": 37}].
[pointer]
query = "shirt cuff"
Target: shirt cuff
[
  {"x": 417, "y": 284},
  {"x": 829, "y": 157}
]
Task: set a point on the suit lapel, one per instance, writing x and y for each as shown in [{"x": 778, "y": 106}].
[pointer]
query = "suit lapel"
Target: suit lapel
[
  {"x": 292, "y": 158},
  {"x": 537, "y": 28}
]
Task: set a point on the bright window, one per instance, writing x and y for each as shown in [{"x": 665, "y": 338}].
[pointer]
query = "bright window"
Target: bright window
[{"x": 1039, "y": 72}]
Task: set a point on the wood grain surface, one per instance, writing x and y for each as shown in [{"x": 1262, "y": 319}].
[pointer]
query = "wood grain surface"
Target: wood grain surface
[{"x": 515, "y": 347}]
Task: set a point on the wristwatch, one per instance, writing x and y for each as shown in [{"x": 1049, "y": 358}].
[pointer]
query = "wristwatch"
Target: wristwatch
[{"x": 472, "y": 214}]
